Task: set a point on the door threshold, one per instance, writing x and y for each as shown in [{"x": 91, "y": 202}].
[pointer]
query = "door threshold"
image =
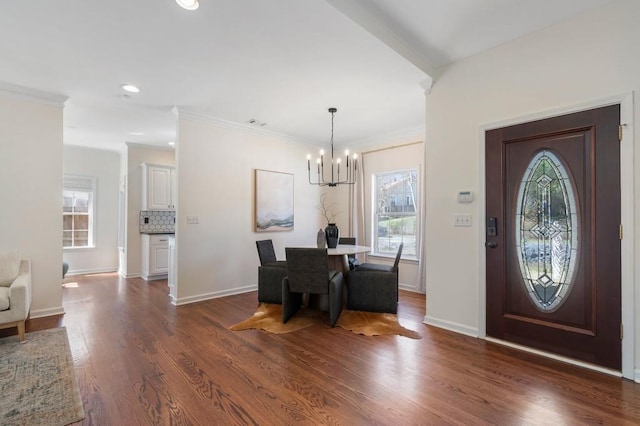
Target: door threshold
[{"x": 556, "y": 357}]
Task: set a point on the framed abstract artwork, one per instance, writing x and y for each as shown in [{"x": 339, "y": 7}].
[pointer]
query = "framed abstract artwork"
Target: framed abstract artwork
[{"x": 273, "y": 201}]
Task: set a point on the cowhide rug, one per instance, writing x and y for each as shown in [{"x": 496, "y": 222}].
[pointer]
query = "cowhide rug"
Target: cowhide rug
[{"x": 268, "y": 317}]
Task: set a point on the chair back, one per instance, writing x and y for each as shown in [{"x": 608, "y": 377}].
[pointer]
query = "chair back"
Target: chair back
[
  {"x": 350, "y": 241},
  {"x": 308, "y": 270},
  {"x": 266, "y": 253},
  {"x": 397, "y": 261}
]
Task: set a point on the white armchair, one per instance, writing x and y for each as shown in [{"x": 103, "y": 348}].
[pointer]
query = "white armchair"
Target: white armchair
[{"x": 15, "y": 291}]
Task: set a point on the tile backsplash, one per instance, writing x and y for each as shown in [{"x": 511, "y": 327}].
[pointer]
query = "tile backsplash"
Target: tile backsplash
[{"x": 157, "y": 221}]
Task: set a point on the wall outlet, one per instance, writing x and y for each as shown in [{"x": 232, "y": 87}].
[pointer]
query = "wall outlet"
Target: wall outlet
[
  {"x": 461, "y": 220},
  {"x": 193, "y": 220}
]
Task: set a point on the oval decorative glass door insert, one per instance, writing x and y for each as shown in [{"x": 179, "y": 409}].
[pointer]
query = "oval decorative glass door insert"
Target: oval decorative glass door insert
[{"x": 546, "y": 231}]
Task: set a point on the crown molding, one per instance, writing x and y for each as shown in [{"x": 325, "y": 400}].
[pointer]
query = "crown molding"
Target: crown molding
[
  {"x": 30, "y": 94},
  {"x": 226, "y": 124},
  {"x": 409, "y": 134},
  {"x": 146, "y": 146}
]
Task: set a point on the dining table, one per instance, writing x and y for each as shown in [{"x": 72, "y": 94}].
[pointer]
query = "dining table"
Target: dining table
[{"x": 338, "y": 258}]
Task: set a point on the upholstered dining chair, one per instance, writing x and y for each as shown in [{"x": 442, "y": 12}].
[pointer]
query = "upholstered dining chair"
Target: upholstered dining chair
[
  {"x": 271, "y": 272},
  {"x": 350, "y": 241},
  {"x": 374, "y": 287},
  {"x": 308, "y": 272},
  {"x": 267, "y": 254}
]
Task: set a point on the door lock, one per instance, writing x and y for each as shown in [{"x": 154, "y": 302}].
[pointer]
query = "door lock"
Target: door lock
[{"x": 491, "y": 244}]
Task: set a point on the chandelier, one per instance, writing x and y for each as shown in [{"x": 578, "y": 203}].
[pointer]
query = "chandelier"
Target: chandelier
[{"x": 348, "y": 176}]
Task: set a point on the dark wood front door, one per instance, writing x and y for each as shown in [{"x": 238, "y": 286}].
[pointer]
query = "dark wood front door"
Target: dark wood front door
[{"x": 553, "y": 244}]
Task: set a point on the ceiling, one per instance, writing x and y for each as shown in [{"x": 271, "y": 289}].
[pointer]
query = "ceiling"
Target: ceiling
[{"x": 282, "y": 63}]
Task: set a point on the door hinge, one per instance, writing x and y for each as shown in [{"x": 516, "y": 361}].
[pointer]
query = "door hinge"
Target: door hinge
[
  {"x": 620, "y": 231},
  {"x": 621, "y": 331},
  {"x": 620, "y": 132}
]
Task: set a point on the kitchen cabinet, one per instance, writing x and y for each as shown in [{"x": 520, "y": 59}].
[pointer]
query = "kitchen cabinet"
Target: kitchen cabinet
[
  {"x": 173, "y": 276},
  {"x": 155, "y": 256},
  {"x": 158, "y": 187}
]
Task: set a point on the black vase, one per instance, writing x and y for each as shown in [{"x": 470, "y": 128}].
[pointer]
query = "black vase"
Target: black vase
[{"x": 332, "y": 233}]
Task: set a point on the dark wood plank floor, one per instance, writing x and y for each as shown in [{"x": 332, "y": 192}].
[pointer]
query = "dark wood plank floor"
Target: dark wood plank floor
[{"x": 141, "y": 360}]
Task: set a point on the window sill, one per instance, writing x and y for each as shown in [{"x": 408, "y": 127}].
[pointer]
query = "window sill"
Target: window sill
[
  {"x": 391, "y": 258},
  {"x": 87, "y": 248}
]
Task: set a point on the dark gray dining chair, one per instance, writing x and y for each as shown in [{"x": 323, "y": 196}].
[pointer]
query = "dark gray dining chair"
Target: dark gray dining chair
[
  {"x": 308, "y": 272},
  {"x": 267, "y": 254},
  {"x": 271, "y": 272},
  {"x": 373, "y": 287},
  {"x": 350, "y": 241}
]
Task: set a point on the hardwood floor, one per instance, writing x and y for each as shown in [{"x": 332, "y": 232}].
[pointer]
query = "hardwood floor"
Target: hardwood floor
[{"x": 141, "y": 360}]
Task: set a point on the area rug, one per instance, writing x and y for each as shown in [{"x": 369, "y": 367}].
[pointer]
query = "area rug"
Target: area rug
[
  {"x": 38, "y": 385},
  {"x": 268, "y": 317}
]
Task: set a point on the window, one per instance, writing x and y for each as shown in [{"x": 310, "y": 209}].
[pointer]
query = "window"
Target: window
[
  {"x": 78, "y": 197},
  {"x": 395, "y": 205}
]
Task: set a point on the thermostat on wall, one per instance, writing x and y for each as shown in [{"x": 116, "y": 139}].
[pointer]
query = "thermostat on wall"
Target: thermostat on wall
[{"x": 465, "y": 196}]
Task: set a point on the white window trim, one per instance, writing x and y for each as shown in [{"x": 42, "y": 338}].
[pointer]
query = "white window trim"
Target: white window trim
[
  {"x": 92, "y": 211},
  {"x": 374, "y": 224}
]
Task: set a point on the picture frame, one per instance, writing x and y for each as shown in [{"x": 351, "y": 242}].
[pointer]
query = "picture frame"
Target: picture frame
[{"x": 274, "y": 207}]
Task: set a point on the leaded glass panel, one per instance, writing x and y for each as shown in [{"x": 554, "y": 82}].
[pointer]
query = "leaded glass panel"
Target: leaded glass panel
[{"x": 546, "y": 231}]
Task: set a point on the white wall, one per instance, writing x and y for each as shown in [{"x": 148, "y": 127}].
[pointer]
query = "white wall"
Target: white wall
[
  {"x": 135, "y": 156},
  {"x": 590, "y": 57},
  {"x": 31, "y": 190},
  {"x": 215, "y": 180},
  {"x": 105, "y": 167}
]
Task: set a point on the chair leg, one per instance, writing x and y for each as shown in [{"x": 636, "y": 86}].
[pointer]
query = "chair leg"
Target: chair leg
[
  {"x": 336, "y": 301},
  {"x": 21, "y": 328},
  {"x": 291, "y": 302}
]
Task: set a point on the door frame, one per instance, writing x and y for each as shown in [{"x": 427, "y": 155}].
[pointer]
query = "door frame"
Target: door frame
[{"x": 627, "y": 219}]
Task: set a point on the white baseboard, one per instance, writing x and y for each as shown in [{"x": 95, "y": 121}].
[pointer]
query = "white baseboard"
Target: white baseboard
[
  {"x": 411, "y": 288},
  {"x": 92, "y": 271},
  {"x": 451, "y": 326},
  {"x": 41, "y": 313},
  {"x": 214, "y": 295},
  {"x": 155, "y": 277},
  {"x": 123, "y": 275}
]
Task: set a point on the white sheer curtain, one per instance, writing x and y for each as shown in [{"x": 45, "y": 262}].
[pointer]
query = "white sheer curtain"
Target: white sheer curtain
[{"x": 356, "y": 206}]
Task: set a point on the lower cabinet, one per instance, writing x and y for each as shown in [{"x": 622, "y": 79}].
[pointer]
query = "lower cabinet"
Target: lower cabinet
[
  {"x": 173, "y": 278},
  {"x": 155, "y": 256}
]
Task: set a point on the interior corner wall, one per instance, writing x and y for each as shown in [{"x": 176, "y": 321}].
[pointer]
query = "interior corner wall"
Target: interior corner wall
[
  {"x": 31, "y": 194},
  {"x": 104, "y": 166},
  {"x": 136, "y": 155},
  {"x": 590, "y": 57},
  {"x": 215, "y": 179}
]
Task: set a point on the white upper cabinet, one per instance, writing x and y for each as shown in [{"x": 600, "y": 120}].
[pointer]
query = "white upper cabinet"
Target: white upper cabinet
[{"x": 157, "y": 187}]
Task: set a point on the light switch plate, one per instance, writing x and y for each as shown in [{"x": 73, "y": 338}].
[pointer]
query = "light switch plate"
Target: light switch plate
[
  {"x": 193, "y": 220},
  {"x": 461, "y": 220}
]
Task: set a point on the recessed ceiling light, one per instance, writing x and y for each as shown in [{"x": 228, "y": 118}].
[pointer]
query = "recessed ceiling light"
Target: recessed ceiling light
[
  {"x": 130, "y": 88},
  {"x": 172, "y": 143},
  {"x": 136, "y": 133},
  {"x": 188, "y": 4}
]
